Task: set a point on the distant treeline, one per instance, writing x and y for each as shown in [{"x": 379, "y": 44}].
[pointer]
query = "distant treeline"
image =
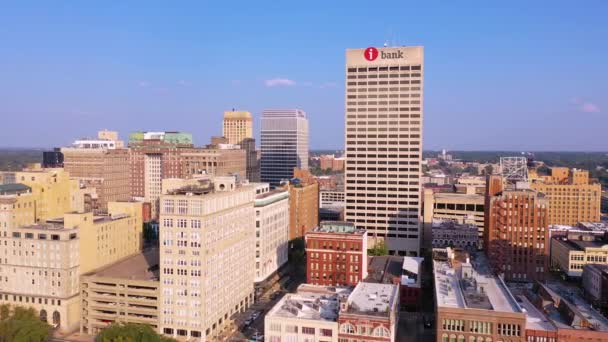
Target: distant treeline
[{"x": 17, "y": 159}]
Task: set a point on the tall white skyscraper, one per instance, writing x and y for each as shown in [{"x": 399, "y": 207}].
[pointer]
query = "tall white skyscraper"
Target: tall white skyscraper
[
  {"x": 384, "y": 90},
  {"x": 284, "y": 143}
]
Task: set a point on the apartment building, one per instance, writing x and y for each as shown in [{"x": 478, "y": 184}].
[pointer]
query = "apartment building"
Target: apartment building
[
  {"x": 43, "y": 260},
  {"x": 207, "y": 254},
  {"x": 573, "y": 197},
  {"x": 571, "y": 253},
  {"x": 303, "y": 204},
  {"x": 124, "y": 292},
  {"x": 102, "y": 165},
  {"x": 271, "y": 230},
  {"x": 516, "y": 236},
  {"x": 472, "y": 304},
  {"x": 384, "y": 111},
  {"x": 336, "y": 254}
]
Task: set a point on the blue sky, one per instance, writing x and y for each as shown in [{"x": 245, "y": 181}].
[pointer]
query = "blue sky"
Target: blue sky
[{"x": 517, "y": 75}]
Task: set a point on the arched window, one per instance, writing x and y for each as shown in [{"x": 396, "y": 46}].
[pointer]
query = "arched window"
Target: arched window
[
  {"x": 460, "y": 338},
  {"x": 381, "y": 332},
  {"x": 452, "y": 338},
  {"x": 444, "y": 338},
  {"x": 347, "y": 328},
  {"x": 472, "y": 339},
  {"x": 56, "y": 319},
  {"x": 43, "y": 315}
]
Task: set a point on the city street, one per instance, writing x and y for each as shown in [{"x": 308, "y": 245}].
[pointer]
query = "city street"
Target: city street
[{"x": 411, "y": 328}]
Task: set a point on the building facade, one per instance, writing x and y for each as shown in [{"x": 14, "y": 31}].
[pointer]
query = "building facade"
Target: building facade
[
  {"x": 572, "y": 196},
  {"x": 237, "y": 126},
  {"x": 595, "y": 284},
  {"x": 102, "y": 165},
  {"x": 332, "y": 199},
  {"x": 384, "y": 111},
  {"x": 207, "y": 254},
  {"x": 303, "y": 204},
  {"x": 271, "y": 230},
  {"x": 447, "y": 233},
  {"x": 284, "y": 142},
  {"x": 570, "y": 254},
  {"x": 517, "y": 232},
  {"x": 124, "y": 292},
  {"x": 336, "y": 254}
]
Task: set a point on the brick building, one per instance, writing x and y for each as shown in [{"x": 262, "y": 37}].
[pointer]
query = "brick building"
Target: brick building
[
  {"x": 336, "y": 254},
  {"x": 516, "y": 232},
  {"x": 303, "y": 204}
]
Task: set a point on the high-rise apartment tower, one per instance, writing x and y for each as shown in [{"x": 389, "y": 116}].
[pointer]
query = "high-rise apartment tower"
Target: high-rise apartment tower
[{"x": 384, "y": 110}]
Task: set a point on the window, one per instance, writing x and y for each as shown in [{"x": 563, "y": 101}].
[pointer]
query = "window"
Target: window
[
  {"x": 381, "y": 332},
  {"x": 347, "y": 328},
  {"x": 326, "y": 332},
  {"x": 291, "y": 328},
  {"x": 308, "y": 331},
  {"x": 275, "y": 327}
]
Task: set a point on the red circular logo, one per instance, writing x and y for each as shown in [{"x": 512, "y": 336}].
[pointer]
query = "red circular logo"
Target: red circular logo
[{"x": 371, "y": 53}]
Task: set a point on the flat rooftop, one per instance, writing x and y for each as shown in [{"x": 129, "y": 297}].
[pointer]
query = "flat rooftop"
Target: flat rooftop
[
  {"x": 452, "y": 225},
  {"x": 337, "y": 227},
  {"x": 581, "y": 245},
  {"x": 478, "y": 289},
  {"x": 373, "y": 299},
  {"x": 383, "y": 269},
  {"x": 311, "y": 302},
  {"x": 535, "y": 320},
  {"x": 14, "y": 188},
  {"x": 580, "y": 307},
  {"x": 141, "y": 266}
]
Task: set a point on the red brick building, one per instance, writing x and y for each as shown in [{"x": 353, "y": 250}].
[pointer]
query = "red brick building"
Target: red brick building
[
  {"x": 516, "y": 232},
  {"x": 336, "y": 254}
]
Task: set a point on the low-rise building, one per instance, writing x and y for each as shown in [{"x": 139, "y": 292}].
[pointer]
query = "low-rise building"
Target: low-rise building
[
  {"x": 595, "y": 284},
  {"x": 403, "y": 271},
  {"x": 336, "y": 254},
  {"x": 311, "y": 315},
  {"x": 472, "y": 304},
  {"x": 571, "y": 253},
  {"x": 126, "y": 292},
  {"x": 371, "y": 313},
  {"x": 448, "y": 233},
  {"x": 332, "y": 199},
  {"x": 271, "y": 230}
]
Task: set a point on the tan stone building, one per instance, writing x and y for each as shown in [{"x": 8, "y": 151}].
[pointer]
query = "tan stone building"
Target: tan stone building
[
  {"x": 207, "y": 254},
  {"x": 43, "y": 258},
  {"x": 126, "y": 291},
  {"x": 237, "y": 126},
  {"x": 571, "y": 253},
  {"x": 303, "y": 204},
  {"x": 573, "y": 197},
  {"x": 96, "y": 165},
  {"x": 384, "y": 111}
]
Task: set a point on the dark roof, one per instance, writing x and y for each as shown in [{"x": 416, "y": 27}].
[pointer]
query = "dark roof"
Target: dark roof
[
  {"x": 383, "y": 269},
  {"x": 9, "y": 189}
]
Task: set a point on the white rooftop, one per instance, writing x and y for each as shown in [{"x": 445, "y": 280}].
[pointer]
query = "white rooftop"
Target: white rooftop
[
  {"x": 311, "y": 302},
  {"x": 535, "y": 320},
  {"x": 372, "y": 297}
]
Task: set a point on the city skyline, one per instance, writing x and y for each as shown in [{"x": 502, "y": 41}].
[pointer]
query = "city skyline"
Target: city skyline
[{"x": 530, "y": 86}]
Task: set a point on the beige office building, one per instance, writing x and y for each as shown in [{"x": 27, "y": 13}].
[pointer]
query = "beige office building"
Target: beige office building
[
  {"x": 271, "y": 230},
  {"x": 101, "y": 165},
  {"x": 207, "y": 254},
  {"x": 570, "y": 254},
  {"x": 237, "y": 126},
  {"x": 384, "y": 111},
  {"x": 573, "y": 196},
  {"x": 43, "y": 259},
  {"x": 126, "y": 291}
]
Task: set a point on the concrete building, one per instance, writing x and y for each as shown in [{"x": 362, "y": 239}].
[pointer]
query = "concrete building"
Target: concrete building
[
  {"x": 460, "y": 207},
  {"x": 159, "y": 155},
  {"x": 126, "y": 292},
  {"x": 284, "y": 138},
  {"x": 303, "y": 204},
  {"x": 101, "y": 164},
  {"x": 336, "y": 254},
  {"x": 207, "y": 254},
  {"x": 471, "y": 303},
  {"x": 447, "y": 233},
  {"x": 252, "y": 159},
  {"x": 237, "y": 126},
  {"x": 310, "y": 314},
  {"x": 45, "y": 257},
  {"x": 573, "y": 197},
  {"x": 331, "y": 162},
  {"x": 384, "y": 111},
  {"x": 516, "y": 236},
  {"x": 332, "y": 199},
  {"x": 595, "y": 284},
  {"x": 371, "y": 313},
  {"x": 570, "y": 254},
  {"x": 271, "y": 230}
]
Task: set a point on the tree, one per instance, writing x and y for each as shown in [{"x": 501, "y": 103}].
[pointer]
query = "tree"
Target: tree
[
  {"x": 379, "y": 249},
  {"x": 488, "y": 170},
  {"x": 471, "y": 170},
  {"x": 23, "y": 324},
  {"x": 131, "y": 332}
]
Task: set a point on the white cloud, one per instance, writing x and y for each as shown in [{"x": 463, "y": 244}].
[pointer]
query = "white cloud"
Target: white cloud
[
  {"x": 279, "y": 82},
  {"x": 585, "y": 106}
]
